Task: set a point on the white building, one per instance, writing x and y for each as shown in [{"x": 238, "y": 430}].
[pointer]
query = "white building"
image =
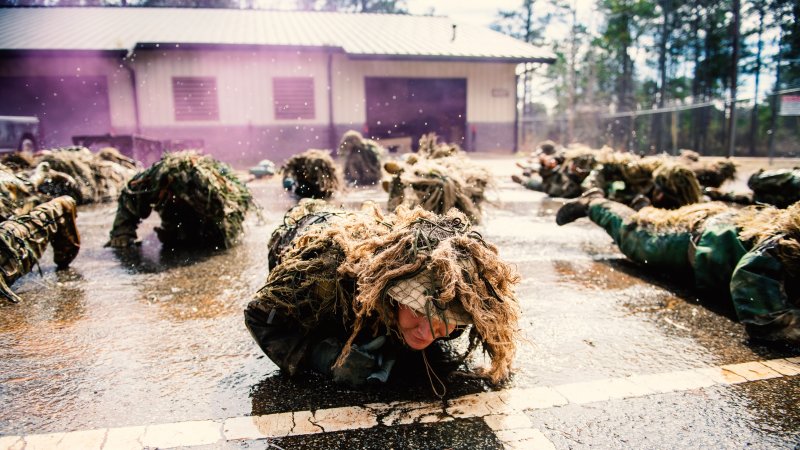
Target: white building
[{"x": 259, "y": 84}]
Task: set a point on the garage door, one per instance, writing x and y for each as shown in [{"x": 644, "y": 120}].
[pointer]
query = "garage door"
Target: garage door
[
  {"x": 65, "y": 106},
  {"x": 411, "y": 107}
]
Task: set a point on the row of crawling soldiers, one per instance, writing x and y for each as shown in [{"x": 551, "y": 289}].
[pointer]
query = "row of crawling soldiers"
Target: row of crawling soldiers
[
  {"x": 747, "y": 260},
  {"x": 437, "y": 177},
  {"x": 663, "y": 181}
]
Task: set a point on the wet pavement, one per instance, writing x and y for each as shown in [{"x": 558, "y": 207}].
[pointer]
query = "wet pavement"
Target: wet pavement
[{"x": 140, "y": 339}]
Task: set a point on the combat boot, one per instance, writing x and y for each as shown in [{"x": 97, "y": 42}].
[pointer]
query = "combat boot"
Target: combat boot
[{"x": 575, "y": 209}]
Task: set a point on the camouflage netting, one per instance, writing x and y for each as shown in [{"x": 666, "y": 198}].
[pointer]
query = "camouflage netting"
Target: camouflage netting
[
  {"x": 312, "y": 174},
  {"x": 17, "y": 161},
  {"x": 23, "y": 240},
  {"x": 347, "y": 265},
  {"x": 438, "y": 178},
  {"x": 98, "y": 177},
  {"x": 199, "y": 199},
  {"x": 17, "y": 195},
  {"x": 362, "y": 159},
  {"x": 762, "y": 223}
]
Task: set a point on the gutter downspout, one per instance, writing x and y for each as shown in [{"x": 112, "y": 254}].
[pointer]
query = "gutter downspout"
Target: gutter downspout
[
  {"x": 516, "y": 114},
  {"x": 126, "y": 64},
  {"x": 331, "y": 126}
]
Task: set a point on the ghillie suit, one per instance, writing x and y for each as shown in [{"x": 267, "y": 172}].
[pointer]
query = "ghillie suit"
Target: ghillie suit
[
  {"x": 363, "y": 157},
  {"x": 752, "y": 254},
  {"x": 334, "y": 287},
  {"x": 622, "y": 176},
  {"x": 99, "y": 177},
  {"x": 17, "y": 195},
  {"x": 17, "y": 161},
  {"x": 113, "y": 155},
  {"x": 776, "y": 187},
  {"x": 199, "y": 199},
  {"x": 23, "y": 240},
  {"x": 710, "y": 172},
  {"x": 566, "y": 180},
  {"x": 674, "y": 185},
  {"x": 52, "y": 183},
  {"x": 442, "y": 180},
  {"x": 312, "y": 174}
]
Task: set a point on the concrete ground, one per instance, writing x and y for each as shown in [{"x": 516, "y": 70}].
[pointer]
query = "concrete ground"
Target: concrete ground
[{"x": 148, "y": 349}]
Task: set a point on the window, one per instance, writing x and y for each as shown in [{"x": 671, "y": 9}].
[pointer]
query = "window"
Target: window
[
  {"x": 195, "y": 98},
  {"x": 294, "y": 97}
]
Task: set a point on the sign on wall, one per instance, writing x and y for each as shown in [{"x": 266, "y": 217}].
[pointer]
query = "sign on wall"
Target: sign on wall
[{"x": 790, "y": 105}]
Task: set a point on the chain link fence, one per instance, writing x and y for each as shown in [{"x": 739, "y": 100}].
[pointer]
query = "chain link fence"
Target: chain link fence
[{"x": 770, "y": 127}]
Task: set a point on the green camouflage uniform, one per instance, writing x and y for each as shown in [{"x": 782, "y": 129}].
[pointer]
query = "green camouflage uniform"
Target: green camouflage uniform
[
  {"x": 775, "y": 187},
  {"x": 199, "y": 199},
  {"x": 24, "y": 238},
  {"x": 764, "y": 292}
]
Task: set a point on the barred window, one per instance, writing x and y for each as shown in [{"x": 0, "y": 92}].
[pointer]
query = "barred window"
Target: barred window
[
  {"x": 195, "y": 98},
  {"x": 294, "y": 97}
]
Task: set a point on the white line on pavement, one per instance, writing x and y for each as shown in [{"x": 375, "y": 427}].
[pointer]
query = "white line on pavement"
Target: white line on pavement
[{"x": 501, "y": 410}]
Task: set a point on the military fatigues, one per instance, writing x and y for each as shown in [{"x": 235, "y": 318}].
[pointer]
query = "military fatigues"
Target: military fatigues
[
  {"x": 24, "y": 238},
  {"x": 764, "y": 292},
  {"x": 775, "y": 187},
  {"x": 200, "y": 201}
]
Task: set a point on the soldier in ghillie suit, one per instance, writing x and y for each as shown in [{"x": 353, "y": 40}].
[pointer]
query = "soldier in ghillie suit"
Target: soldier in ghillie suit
[
  {"x": 17, "y": 195},
  {"x": 362, "y": 159},
  {"x": 23, "y": 240},
  {"x": 779, "y": 187},
  {"x": 749, "y": 256},
  {"x": 559, "y": 174},
  {"x": 199, "y": 199},
  {"x": 99, "y": 177},
  {"x": 312, "y": 174},
  {"x": 350, "y": 293},
  {"x": 437, "y": 178},
  {"x": 710, "y": 172}
]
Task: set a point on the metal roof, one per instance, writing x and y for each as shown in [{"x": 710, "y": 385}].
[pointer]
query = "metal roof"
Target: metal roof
[{"x": 358, "y": 35}]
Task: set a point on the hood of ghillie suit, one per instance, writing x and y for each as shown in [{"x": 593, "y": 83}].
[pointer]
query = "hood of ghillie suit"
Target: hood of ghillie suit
[
  {"x": 468, "y": 274},
  {"x": 438, "y": 178},
  {"x": 347, "y": 266},
  {"x": 758, "y": 224},
  {"x": 314, "y": 173},
  {"x": 679, "y": 185}
]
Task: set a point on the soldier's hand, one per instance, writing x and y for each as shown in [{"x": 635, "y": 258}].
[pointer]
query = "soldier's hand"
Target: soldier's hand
[
  {"x": 121, "y": 242},
  {"x": 361, "y": 362}
]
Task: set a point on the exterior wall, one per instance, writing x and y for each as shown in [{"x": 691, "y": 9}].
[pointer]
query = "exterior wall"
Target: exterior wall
[
  {"x": 491, "y": 94},
  {"x": 244, "y": 83},
  {"x": 247, "y": 130},
  {"x": 120, "y": 89}
]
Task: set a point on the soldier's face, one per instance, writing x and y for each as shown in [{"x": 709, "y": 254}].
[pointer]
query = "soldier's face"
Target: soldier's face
[{"x": 417, "y": 331}]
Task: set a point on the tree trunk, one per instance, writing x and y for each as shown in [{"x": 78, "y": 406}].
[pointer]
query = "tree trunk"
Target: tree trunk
[
  {"x": 734, "y": 77},
  {"x": 754, "y": 112}
]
